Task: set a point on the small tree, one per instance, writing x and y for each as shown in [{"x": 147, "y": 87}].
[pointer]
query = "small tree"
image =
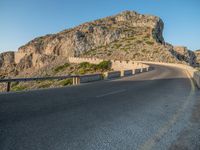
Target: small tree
[{"x": 104, "y": 65}]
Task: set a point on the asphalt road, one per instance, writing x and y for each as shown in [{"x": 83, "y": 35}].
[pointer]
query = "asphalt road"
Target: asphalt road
[{"x": 145, "y": 111}]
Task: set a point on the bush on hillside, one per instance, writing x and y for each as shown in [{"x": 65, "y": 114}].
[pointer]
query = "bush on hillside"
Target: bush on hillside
[
  {"x": 66, "y": 82},
  {"x": 104, "y": 65},
  {"x": 18, "y": 88},
  {"x": 62, "y": 67},
  {"x": 86, "y": 67}
]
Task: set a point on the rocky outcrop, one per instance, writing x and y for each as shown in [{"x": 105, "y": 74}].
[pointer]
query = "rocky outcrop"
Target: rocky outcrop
[
  {"x": 128, "y": 36},
  {"x": 7, "y": 58},
  {"x": 94, "y": 34},
  {"x": 197, "y": 54},
  {"x": 7, "y": 64},
  {"x": 183, "y": 54}
]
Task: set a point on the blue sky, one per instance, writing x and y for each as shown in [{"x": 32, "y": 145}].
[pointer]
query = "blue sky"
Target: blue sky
[{"x": 23, "y": 20}]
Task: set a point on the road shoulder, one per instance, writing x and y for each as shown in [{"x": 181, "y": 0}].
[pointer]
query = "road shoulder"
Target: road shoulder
[{"x": 189, "y": 138}]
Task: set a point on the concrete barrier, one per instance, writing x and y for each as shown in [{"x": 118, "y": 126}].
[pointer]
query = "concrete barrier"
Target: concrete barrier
[
  {"x": 112, "y": 74},
  {"x": 90, "y": 78},
  {"x": 126, "y": 73},
  {"x": 194, "y": 74},
  {"x": 136, "y": 71},
  {"x": 145, "y": 69}
]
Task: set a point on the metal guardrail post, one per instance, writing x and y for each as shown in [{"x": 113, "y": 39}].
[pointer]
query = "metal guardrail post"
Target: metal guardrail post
[{"x": 8, "y": 86}]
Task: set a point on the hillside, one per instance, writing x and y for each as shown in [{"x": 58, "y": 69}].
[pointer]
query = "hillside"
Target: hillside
[
  {"x": 125, "y": 36},
  {"x": 197, "y": 54}
]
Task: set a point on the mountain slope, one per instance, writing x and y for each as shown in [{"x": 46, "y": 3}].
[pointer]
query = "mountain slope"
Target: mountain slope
[{"x": 125, "y": 36}]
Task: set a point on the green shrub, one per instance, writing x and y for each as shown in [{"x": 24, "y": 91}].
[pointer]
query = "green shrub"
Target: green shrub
[
  {"x": 131, "y": 38},
  {"x": 118, "y": 46},
  {"x": 45, "y": 85},
  {"x": 19, "y": 88},
  {"x": 138, "y": 41},
  {"x": 84, "y": 65},
  {"x": 62, "y": 67},
  {"x": 66, "y": 82},
  {"x": 82, "y": 71},
  {"x": 14, "y": 84},
  {"x": 149, "y": 42},
  {"x": 104, "y": 65},
  {"x": 87, "y": 65}
]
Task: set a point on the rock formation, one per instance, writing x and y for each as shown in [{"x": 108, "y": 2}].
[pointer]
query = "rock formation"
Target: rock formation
[
  {"x": 127, "y": 36},
  {"x": 197, "y": 54},
  {"x": 183, "y": 54}
]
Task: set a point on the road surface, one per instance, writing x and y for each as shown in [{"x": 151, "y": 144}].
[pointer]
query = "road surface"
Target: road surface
[{"x": 144, "y": 111}]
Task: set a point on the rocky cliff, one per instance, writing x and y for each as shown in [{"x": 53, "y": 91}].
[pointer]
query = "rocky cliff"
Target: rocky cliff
[
  {"x": 125, "y": 36},
  {"x": 197, "y": 54},
  {"x": 97, "y": 33}
]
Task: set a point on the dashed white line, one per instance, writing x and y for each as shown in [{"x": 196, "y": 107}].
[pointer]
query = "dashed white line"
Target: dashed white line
[{"x": 111, "y": 93}]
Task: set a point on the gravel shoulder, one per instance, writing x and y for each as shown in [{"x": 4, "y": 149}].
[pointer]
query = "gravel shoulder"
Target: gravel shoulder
[{"x": 189, "y": 138}]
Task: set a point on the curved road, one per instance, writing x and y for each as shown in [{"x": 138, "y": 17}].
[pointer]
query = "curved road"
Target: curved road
[{"x": 144, "y": 111}]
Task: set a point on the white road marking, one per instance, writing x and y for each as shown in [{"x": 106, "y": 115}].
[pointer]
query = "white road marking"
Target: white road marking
[{"x": 111, "y": 93}]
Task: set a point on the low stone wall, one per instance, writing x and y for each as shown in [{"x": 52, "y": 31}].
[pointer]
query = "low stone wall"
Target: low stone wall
[
  {"x": 137, "y": 71},
  {"x": 80, "y": 60},
  {"x": 122, "y": 65},
  {"x": 115, "y": 64}
]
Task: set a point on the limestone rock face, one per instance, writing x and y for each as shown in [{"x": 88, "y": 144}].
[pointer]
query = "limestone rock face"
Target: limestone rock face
[
  {"x": 6, "y": 58},
  {"x": 94, "y": 34},
  {"x": 183, "y": 54},
  {"x": 7, "y": 64},
  {"x": 125, "y": 36}
]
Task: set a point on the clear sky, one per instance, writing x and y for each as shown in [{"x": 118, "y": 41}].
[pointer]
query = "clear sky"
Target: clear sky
[{"x": 23, "y": 20}]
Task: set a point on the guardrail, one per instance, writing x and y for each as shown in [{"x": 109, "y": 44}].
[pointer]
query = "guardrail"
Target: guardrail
[
  {"x": 77, "y": 79},
  {"x": 9, "y": 81},
  {"x": 91, "y": 78}
]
